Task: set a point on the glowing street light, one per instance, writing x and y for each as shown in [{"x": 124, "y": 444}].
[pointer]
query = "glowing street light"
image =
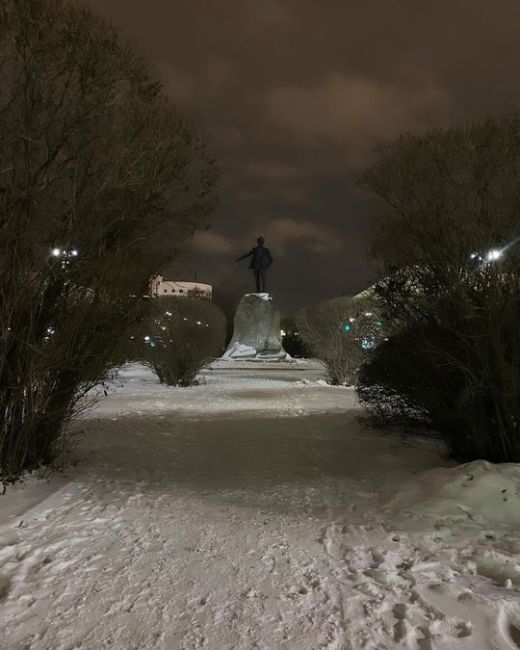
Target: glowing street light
[
  {"x": 494, "y": 255},
  {"x": 56, "y": 252}
]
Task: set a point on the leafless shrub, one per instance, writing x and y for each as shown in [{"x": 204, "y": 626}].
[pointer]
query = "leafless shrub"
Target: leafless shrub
[
  {"x": 183, "y": 336},
  {"x": 449, "y": 256},
  {"x": 341, "y": 333}
]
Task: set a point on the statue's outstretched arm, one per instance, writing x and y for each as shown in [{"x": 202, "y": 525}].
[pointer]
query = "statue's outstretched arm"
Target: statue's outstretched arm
[{"x": 243, "y": 257}]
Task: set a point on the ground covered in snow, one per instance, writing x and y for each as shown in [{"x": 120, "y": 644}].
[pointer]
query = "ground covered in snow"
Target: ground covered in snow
[{"x": 255, "y": 511}]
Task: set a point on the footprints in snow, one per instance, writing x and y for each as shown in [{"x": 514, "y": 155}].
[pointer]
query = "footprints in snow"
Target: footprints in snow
[
  {"x": 508, "y": 630},
  {"x": 387, "y": 577},
  {"x": 426, "y": 634}
]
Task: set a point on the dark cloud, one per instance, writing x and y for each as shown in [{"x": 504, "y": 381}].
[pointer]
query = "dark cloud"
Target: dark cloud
[
  {"x": 286, "y": 233},
  {"x": 354, "y": 112},
  {"x": 293, "y": 96},
  {"x": 296, "y": 233},
  {"x": 212, "y": 242}
]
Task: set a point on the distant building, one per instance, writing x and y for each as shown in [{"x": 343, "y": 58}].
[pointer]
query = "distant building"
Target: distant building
[{"x": 159, "y": 288}]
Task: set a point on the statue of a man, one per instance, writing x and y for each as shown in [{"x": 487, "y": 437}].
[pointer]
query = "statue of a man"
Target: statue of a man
[{"x": 261, "y": 260}]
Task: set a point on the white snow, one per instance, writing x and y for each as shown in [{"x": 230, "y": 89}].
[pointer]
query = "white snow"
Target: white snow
[
  {"x": 261, "y": 296},
  {"x": 264, "y": 388},
  {"x": 239, "y": 350},
  {"x": 478, "y": 492},
  {"x": 255, "y": 511}
]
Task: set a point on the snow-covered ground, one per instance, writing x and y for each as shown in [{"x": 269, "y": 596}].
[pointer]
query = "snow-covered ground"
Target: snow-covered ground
[
  {"x": 255, "y": 511},
  {"x": 231, "y": 388}
]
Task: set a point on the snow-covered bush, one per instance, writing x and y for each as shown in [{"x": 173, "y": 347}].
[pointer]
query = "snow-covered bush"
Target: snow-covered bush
[
  {"x": 449, "y": 252},
  {"x": 341, "y": 333},
  {"x": 184, "y": 334},
  {"x": 98, "y": 175}
]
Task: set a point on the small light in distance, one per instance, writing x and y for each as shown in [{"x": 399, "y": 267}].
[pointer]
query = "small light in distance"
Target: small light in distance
[{"x": 56, "y": 252}]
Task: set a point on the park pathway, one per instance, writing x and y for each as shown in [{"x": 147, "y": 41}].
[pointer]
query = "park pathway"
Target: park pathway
[{"x": 244, "y": 513}]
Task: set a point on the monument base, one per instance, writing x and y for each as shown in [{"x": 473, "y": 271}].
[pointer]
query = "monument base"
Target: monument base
[{"x": 256, "y": 331}]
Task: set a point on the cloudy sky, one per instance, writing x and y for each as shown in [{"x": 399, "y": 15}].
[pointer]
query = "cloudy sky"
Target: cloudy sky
[{"x": 293, "y": 96}]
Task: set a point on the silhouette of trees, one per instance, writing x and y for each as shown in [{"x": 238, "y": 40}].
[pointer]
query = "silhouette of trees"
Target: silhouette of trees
[
  {"x": 103, "y": 180},
  {"x": 449, "y": 258}
]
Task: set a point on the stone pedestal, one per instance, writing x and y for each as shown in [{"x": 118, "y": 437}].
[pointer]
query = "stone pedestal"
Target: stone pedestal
[{"x": 256, "y": 332}]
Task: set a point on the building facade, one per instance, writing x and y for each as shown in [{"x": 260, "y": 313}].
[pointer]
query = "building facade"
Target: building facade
[{"x": 159, "y": 288}]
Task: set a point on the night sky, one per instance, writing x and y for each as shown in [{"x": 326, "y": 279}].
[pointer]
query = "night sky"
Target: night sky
[{"x": 293, "y": 96}]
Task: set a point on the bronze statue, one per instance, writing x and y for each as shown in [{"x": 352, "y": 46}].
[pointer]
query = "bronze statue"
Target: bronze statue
[{"x": 261, "y": 260}]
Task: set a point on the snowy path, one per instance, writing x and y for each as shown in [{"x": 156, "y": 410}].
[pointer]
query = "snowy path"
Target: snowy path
[{"x": 249, "y": 513}]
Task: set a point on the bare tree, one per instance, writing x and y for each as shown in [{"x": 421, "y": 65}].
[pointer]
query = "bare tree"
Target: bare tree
[{"x": 102, "y": 182}]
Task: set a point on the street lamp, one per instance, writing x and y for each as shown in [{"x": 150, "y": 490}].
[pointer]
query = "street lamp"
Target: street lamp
[{"x": 494, "y": 255}]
